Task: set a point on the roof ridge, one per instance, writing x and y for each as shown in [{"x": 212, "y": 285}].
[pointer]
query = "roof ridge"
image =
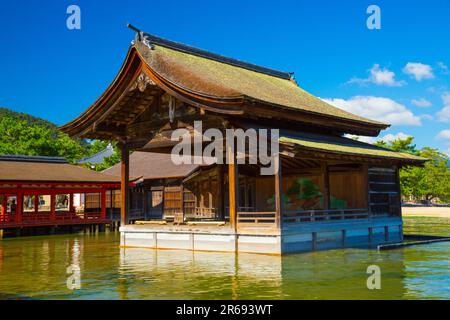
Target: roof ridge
[
  {"x": 152, "y": 39},
  {"x": 26, "y": 158}
]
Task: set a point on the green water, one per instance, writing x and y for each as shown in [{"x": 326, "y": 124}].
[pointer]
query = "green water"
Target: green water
[{"x": 35, "y": 267}]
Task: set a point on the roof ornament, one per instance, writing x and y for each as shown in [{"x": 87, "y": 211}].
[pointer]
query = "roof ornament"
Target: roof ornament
[
  {"x": 292, "y": 77},
  {"x": 140, "y": 36},
  {"x": 148, "y": 43}
]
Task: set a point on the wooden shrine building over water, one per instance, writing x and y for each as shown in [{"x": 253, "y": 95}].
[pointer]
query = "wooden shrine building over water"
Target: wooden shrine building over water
[{"x": 329, "y": 190}]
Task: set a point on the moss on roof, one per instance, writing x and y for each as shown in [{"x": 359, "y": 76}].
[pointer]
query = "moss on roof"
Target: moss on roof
[
  {"x": 212, "y": 78},
  {"x": 348, "y": 146}
]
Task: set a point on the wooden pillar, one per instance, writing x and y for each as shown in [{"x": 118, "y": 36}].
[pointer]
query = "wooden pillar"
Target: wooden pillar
[
  {"x": 3, "y": 211},
  {"x": 233, "y": 184},
  {"x": 52, "y": 207},
  {"x": 210, "y": 196},
  {"x": 278, "y": 193},
  {"x": 399, "y": 192},
  {"x": 220, "y": 193},
  {"x": 183, "y": 213},
  {"x": 71, "y": 204},
  {"x": 19, "y": 207},
  {"x": 124, "y": 184},
  {"x": 36, "y": 203},
  {"x": 103, "y": 204},
  {"x": 365, "y": 174},
  {"x": 326, "y": 185},
  {"x": 145, "y": 203}
]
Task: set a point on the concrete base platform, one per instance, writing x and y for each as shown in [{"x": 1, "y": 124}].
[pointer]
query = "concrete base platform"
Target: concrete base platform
[{"x": 303, "y": 237}]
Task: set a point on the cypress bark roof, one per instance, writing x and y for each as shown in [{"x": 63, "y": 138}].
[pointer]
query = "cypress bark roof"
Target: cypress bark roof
[
  {"x": 150, "y": 165},
  {"x": 214, "y": 83},
  {"x": 346, "y": 146},
  {"x": 213, "y": 76},
  {"x": 48, "y": 169}
]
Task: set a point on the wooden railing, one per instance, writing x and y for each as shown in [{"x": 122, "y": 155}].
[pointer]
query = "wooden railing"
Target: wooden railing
[
  {"x": 256, "y": 219},
  {"x": 30, "y": 218},
  {"x": 321, "y": 215},
  {"x": 6, "y": 218}
]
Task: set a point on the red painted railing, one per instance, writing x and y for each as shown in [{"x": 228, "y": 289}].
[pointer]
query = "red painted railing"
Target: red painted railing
[{"x": 47, "y": 218}]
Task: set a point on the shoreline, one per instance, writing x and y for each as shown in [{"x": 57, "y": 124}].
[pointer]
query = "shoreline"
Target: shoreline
[{"x": 436, "y": 212}]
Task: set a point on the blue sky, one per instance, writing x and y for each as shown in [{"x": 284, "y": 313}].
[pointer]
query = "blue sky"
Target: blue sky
[{"x": 396, "y": 74}]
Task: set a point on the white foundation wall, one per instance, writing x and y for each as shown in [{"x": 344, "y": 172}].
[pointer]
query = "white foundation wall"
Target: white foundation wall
[{"x": 298, "y": 238}]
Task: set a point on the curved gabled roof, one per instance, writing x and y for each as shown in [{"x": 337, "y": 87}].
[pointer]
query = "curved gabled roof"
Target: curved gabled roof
[
  {"x": 215, "y": 77},
  {"x": 218, "y": 84}
]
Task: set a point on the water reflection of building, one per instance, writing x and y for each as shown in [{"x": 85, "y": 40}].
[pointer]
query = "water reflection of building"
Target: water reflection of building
[
  {"x": 207, "y": 275},
  {"x": 337, "y": 274}
]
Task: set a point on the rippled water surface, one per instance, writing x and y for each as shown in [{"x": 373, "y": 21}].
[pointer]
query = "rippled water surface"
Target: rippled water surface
[{"x": 35, "y": 267}]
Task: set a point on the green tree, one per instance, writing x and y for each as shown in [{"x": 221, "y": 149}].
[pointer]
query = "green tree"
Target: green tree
[
  {"x": 428, "y": 182},
  {"x": 24, "y": 138},
  {"x": 399, "y": 145}
]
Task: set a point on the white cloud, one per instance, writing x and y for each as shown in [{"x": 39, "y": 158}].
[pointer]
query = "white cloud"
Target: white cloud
[
  {"x": 444, "y": 114},
  {"x": 444, "y": 134},
  {"x": 365, "y": 139},
  {"x": 392, "y": 137},
  {"x": 443, "y": 67},
  {"x": 378, "y": 108},
  {"x": 423, "y": 103},
  {"x": 418, "y": 71},
  {"x": 379, "y": 76},
  {"x": 387, "y": 138}
]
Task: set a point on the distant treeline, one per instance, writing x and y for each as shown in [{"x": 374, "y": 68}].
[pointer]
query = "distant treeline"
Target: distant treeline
[
  {"x": 24, "y": 134},
  {"x": 4, "y": 112}
]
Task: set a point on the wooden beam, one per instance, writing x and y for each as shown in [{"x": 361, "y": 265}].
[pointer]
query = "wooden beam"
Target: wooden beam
[
  {"x": 124, "y": 184},
  {"x": 278, "y": 192}
]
